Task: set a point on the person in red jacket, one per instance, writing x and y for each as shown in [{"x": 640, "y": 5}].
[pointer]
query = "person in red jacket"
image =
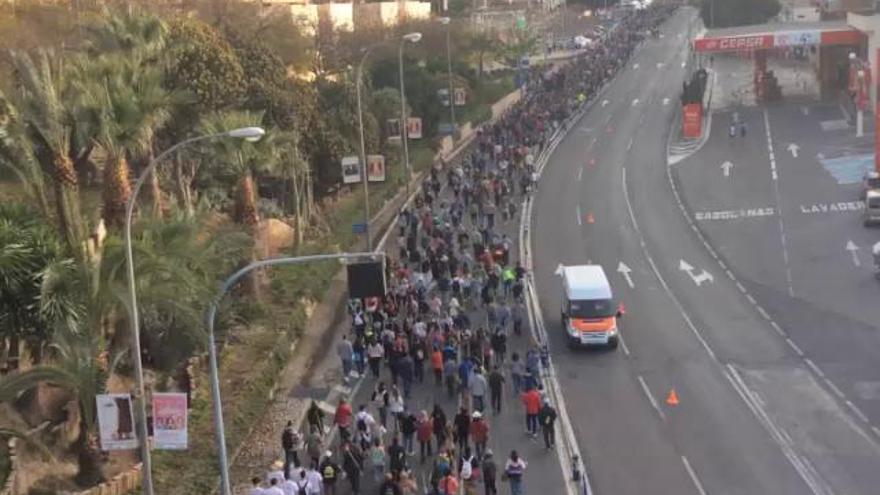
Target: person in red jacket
[
  {"x": 342, "y": 419},
  {"x": 479, "y": 433},
  {"x": 532, "y": 400},
  {"x": 424, "y": 432}
]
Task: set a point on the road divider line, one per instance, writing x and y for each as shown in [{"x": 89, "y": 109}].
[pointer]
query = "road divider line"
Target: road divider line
[
  {"x": 834, "y": 388},
  {"x": 775, "y": 177},
  {"x": 651, "y": 398},
  {"x": 806, "y": 471},
  {"x": 693, "y": 475},
  {"x": 813, "y": 366},
  {"x": 660, "y": 278},
  {"x": 580, "y": 175},
  {"x": 858, "y": 412},
  {"x": 578, "y": 213},
  {"x": 800, "y": 353},
  {"x": 622, "y": 343}
]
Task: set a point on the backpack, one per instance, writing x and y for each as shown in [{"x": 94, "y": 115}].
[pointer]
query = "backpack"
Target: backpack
[
  {"x": 467, "y": 469},
  {"x": 361, "y": 424},
  {"x": 303, "y": 489}
]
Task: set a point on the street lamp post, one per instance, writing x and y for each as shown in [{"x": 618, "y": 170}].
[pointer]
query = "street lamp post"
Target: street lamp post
[
  {"x": 211, "y": 315},
  {"x": 404, "y": 132},
  {"x": 363, "y": 158},
  {"x": 249, "y": 133},
  {"x": 447, "y": 21}
]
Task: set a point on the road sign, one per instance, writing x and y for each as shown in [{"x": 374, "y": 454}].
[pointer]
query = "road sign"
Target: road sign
[{"x": 359, "y": 228}]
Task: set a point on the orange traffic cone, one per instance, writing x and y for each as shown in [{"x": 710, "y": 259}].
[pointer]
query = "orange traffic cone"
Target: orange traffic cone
[
  {"x": 590, "y": 218},
  {"x": 672, "y": 398}
]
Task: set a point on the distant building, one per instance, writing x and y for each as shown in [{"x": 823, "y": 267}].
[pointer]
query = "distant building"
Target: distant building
[
  {"x": 800, "y": 11},
  {"x": 350, "y": 16}
]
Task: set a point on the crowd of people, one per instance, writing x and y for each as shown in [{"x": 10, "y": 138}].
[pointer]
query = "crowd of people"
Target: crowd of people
[{"x": 454, "y": 301}]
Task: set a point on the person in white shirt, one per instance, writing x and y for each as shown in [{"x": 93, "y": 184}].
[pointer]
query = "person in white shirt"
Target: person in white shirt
[
  {"x": 314, "y": 482},
  {"x": 273, "y": 489},
  {"x": 291, "y": 487},
  {"x": 277, "y": 473},
  {"x": 256, "y": 489}
]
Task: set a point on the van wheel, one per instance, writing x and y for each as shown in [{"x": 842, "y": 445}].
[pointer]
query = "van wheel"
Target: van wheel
[
  {"x": 572, "y": 343},
  {"x": 612, "y": 342}
]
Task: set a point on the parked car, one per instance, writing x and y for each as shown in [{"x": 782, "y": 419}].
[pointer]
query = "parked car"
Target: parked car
[{"x": 872, "y": 207}]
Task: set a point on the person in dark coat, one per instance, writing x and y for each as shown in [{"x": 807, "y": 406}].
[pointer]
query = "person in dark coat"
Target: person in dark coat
[{"x": 489, "y": 471}]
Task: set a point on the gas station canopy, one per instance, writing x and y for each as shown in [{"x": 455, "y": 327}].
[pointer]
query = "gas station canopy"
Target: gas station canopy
[{"x": 768, "y": 36}]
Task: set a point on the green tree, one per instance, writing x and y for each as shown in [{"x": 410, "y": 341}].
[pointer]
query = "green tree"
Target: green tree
[
  {"x": 483, "y": 45},
  {"x": 79, "y": 366},
  {"x": 28, "y": 246},
  {"x": 39, "y": 127},
  {"x": 205, "y": 65}
]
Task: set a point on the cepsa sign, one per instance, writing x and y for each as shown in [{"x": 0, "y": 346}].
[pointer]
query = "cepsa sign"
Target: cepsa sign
[{"x": 733, "y": 43}]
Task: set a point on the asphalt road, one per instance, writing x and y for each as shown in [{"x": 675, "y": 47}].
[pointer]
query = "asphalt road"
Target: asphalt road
[{"x": 752, "y": 417}]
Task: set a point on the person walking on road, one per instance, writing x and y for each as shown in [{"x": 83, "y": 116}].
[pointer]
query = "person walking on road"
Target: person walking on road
[
  {"x": 424, "y": 431},
  {"x": 518, "y": 373},
  {"x": 352, "y": 464},
  {"x": 329, "y": 473},
  {"x": 478, "y": 388},
  {"x": 479, "y": 433},
  {"x": 462, "y": 423},
  {"x": 315, "y": 417},
  {"x": 342, "y": 419},
  {"x": 496, "y": 385},
  {"x": 514, "y": 471},
  {"x": 532, "y": 401},
  {"x": 345, "y": 351},
  {"x": 547, "y": 419},
  {"x": 489, "y": 471},
  {"x": 290, "y": 444}
]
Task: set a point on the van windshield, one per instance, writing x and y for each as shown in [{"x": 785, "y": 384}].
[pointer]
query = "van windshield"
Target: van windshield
[{"x": 601, "y": 308}]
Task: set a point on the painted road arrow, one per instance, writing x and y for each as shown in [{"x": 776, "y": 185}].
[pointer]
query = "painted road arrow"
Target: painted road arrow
[
  {"x": 660, "y": 65},
  {"x": 852, "y": 248},
  {"x": 635, "y": 102},
  {"x": 625, "y": 271},
  {"x": 559, "y": 269},
  {"x": 605, "y": 103},
  {"x": 793, "y": 149},
  {"x": 698, "y": 279},
  {"x": 725, "y": 167},
  {"x": 635, "y": 66},
  {"x": 665, "y": 101}
]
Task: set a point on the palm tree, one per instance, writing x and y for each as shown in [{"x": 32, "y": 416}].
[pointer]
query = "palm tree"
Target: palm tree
[
  {"x": 78, "y": 365},
  {"x": 39, "y": 127},
  {"x": 140, "y": 38},
  {"x": 239, "y": 161},
  {"x": 28, "y": 246},
  {"x": 483, "y": 43},
  {"x": 126, "y": 104}
]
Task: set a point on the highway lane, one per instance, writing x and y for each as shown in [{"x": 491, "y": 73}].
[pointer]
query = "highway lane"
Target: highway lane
[{"x": 707, "y": 342}]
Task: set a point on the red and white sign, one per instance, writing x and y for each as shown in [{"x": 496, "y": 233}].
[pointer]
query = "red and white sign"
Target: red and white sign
[
  {"x": 763, "y": 41},
  {"x": 734, "y": 43},
  {"x": 169, "y": 421},
  {"x": 692, "y": 120}
]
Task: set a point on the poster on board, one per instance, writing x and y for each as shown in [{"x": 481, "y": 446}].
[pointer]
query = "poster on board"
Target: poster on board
[
  {"x": 460, "y": 97},
  {"x": 169, "y": 421},
  {"x": 375, "y": 168},
  {"x": 116, "y": 422},
  {"x": 414, "y": 128},
  {"x": 392, "y": 129},
  {"x": 351, "y": 170}
]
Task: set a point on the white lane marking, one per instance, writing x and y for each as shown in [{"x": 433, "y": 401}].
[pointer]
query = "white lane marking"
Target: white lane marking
[
  {"x": 579, "y": 215},
  {"x": 660, "y": 278},
  {"x": 630, "y": 145},
  {"x": 665, "y": 101},
  {"x": 605, "y": 103},
  {"x": 853, "y": 249},
  {"x": 693, "y": 475},
  {"x": 834, "y": 388},
  {"x": 840, "y": 207},
  {"x": 806, "y": 471},
  {"x": 793, "y": 149},
  {"x": 660, "y": 65},
  {"x": 725, "y": 168},
  {"x": 815, "y": 368},
  {"x": 778, "y": 329},
  {"x": 763, "y": 313},
  {"x": 651, "y": 398},
  {"x": 580, "y": 173},
  {"x": 635, "y": 66},
  {"x": 624, "y": 270},
  {"x": 858, "y": 412},
  {"x": 775, "y": 176},
  {"x": 800, "y": 352},
  {"x": 635, "y": 101},
  {"x": 622, "y": 343},
  {"x": 698, "y": 279}
]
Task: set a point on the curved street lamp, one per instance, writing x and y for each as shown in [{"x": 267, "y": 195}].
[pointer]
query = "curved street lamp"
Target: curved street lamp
[{"x": 249, "y": 134}]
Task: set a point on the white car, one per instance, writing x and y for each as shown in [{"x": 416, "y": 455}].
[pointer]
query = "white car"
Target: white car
[{"x": 582, "y": 42}]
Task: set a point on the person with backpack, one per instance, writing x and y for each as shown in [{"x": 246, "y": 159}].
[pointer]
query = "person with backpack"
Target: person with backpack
[
  {"x": 462, "y": 423},
  {"x": 448, "y": 485},
  {"x": 329, "y": 473},
  {"x": 468, "y": 471},
  {"x": 365, "y": 424},
  {"x": 290, "y": 444},
  {"x": 389, "y": 486},
  {"x": 514, "y": 471},
  {"x": 315, "y": 417}
]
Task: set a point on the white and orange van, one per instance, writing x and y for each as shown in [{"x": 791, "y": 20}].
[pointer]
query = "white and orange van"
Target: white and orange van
[{"x": 589, "y": 312}]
